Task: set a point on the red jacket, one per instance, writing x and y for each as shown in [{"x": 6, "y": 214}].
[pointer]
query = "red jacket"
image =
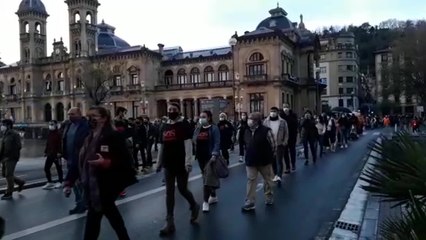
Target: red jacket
[{"x": 54, "y": 143}]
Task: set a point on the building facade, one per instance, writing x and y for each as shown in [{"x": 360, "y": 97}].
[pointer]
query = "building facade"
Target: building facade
[
  {"x": 339, "y": 68},
  {"x": 272, "y": 65}
]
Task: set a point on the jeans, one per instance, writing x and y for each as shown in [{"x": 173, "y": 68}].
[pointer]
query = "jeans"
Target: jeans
[
  {"x": 94, "y": 219},
  {"x": 312, "y": 146},
  {"x": 290, "y": 154},
  {"x": 252, "y": 173},
  {"x": 345, "y": 133},
  {"x": 181, "y": 177},
  {"x": 8, "y": 170},
  {"x": 50, "y": 160},
  {"x": 80, "y": 200},
  {"x": 278, "y": 165}
]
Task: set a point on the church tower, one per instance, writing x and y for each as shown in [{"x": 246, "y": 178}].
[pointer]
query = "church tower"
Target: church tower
[
  {"x": 83, "y": 20},
  {"x": 32, "y": 30}
]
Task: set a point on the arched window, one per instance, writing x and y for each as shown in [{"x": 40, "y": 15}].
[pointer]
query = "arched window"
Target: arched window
[
  {"x": 181, "y": 76},
  {"x": 195, "y": 75},
  {"x": 76, "y": 17},
  {"x": 12, "y": 86},
  {"x": 26, "y": 27},
  {"x": 27, "y": 86},
  {"x": 38, "y": 28},
  {"x": 256, "y": 66},
  {"x": 168, "y": 77},
  {"x": 78, "y": 83},
  {"x": 60, "y": 75},
  {"x": 26, "y": 55},
  {"x": 208, "y": 74},
  {"x": 89, "y": 18},
  {"x": 223, "y": 73},
  {"x": 256, "y": 57},
  {"x": 47, "y": 112},
  {"x": 48, "y": 83}
]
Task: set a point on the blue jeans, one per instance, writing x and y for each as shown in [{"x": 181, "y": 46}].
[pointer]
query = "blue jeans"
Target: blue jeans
[{"x": 80, "y": 201}]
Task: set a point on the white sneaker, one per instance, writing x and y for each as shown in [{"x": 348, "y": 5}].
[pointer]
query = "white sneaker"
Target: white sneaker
[
  {"x": 213, "y": 200},
  {"x": 278, "y": 179},
  {"x": 241, "y": 159},
  {"x": 346, "y": 145},
  {"x": 206, "y": 207},
  {"x": 48, "y": 186},
  {"x": 275, "y": 178},
  {"x": 58, "y": 185}
]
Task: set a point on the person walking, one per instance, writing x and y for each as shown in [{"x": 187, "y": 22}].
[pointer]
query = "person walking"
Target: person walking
[
  {"x": 175, "y": 157},
  {"x": 261, "y": 149},
  {"x": 9, "y": 157},
  {"x": 242, "y": 127},
  {"x": 321, "y": 126},
  {"x": 106, "y": 169},
  {"x": 309, "y": 136},
  {"x": 226, "y": 134},
  {"x": 280, "y": 131},
  {"x": 150, "y": 139},
  {"x": 207, "y": 149},
  {"x": 76, "y": 130},
  {"x": 53, "y": 153},
  {"x": 293, "y": 125},
  {"x": 139, "y": 142}
]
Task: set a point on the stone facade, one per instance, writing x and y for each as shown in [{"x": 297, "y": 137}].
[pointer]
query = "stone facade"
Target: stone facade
[{"x": 267, "y": 67}]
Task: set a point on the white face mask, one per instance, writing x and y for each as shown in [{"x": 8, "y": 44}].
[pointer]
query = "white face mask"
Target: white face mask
[
  {"x": 286, "y": 110},
  {"x": 250, "y": 122},
  {"x": 52, "y": 128},
  {"x": 221, "y": 119},
  {"x": 273, "y": 114},
  {"x": 3, "y": 128},
  {"x": 203, "y": 121}
]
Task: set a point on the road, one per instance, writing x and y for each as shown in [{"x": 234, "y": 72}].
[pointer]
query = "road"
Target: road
[{"x": 309, "y": 199}]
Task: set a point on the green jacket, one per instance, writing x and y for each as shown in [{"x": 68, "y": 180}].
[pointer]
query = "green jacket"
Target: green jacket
[{"x": 10, "y": 146}]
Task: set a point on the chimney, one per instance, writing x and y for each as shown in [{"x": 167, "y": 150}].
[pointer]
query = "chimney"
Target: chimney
[{"x": 160, "y": 48}]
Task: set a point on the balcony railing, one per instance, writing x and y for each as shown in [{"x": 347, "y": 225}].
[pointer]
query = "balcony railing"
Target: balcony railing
[
  {"x": 256, "y": 79},
  {"x": 133, "y": 87},
  {"x": 12, "y": 98},
  {"x": 214, "y": 84}
]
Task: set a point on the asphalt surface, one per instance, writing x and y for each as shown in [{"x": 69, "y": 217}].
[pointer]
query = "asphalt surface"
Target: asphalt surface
[{"x": 308, "y": 201}]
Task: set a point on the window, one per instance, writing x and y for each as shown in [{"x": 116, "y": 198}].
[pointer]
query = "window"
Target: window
[
  {"x": 342, "y": 68},
  {"x": 350, "y": 79},
  {"x": 117, "y": 81},
  {"x": 340, "y": 79},
  {"x": 349, "y": 102},
  {"x": 341, "y": 103},
  {"x": 350, "y": 68},
  {"x": 38, "y": 28},
  {"x": 255, "y": 70},
  {"x": 168, "y": 77},
  {"x": 60, "y": 75},
  {"x": 256, "y": 102},
  {"x": 181, "y": 76},
  {"x": 349, "y": 90},
  {"x": 135, "y": 79},
  {"x": 340, "y": 90},
  {"x": 323, "y": 69},
  {"x": 48, "y": 86},
  {"x": 27, "y": 87},
  {"x": 256, "y": 57},
  {"x": 384, "y": 57},
  {"x": 195, "y": 75},
  {"x": 339, "y": 45},
  {"x": 223, "y": 73},
  {"x": 208, "y": 74},
  {"x": 61, "y": 85},
  {"x": 339, "y": 54},
  {"x": 349, "y": 54},
  {"x": 322, "y": 57},
  {"x": 78, "y": 83}
]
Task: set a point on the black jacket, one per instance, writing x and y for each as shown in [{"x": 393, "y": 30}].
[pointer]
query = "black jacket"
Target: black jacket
[
  {"x": 10, "y": 146},
  {"x": 292, "y": 124}
]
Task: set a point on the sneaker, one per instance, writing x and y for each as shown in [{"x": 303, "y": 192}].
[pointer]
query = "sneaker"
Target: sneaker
[
  {"x": 346, "y": 145},
  {"x": 7, "y": 196},
  {"x": 287, "y": 171},
  {"x": 48, "y": 186},
  {"x": 123, "y": 194},
  {"x": 275, "y": 179},
  {"x": 241, "y": 159},
  {"x": 213, "y": 200},
  {"x": 248, "y": 207},
  {"x": 21, "y": 187},
  {"x": 293, "y": 169},
  {"x": 206, "y": 207},
  {"x": 269, "y": 201},
  {"x": 278, "y": 179},
  {"x": 58, "y": 185}
]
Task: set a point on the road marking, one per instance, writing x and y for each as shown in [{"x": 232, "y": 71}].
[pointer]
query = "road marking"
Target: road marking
[
  {"x": 57, "y": 222},
  {"x": 376, "y": 133}
]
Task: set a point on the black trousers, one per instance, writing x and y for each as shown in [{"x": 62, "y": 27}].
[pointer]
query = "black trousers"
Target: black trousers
[
  {"x": 50, "y": 160},
  {"x": 181, "y": 177},
  {"x": 94, "y": 219},
  {"x": 225, "y": 153},
  {"x": 312, "y": 145},
  {"x": 136, "y": 151},
  {"x": 207, "y": 190},
  {"x": 290, "y": 154},
  {"x": 147, "y": 159},
  {"x": 242, "y": 148}
]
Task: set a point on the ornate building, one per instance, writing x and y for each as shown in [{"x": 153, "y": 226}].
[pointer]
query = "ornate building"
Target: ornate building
[{"x": 272, "y": 65}]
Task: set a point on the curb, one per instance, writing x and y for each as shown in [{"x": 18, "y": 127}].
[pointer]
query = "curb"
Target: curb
[{"x": 349, "y": 224}]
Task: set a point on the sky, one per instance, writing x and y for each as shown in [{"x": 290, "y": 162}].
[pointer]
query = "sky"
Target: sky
[{"x": 201, "y": 24}]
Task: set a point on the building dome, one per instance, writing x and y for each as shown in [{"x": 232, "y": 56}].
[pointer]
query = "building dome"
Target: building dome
[
  {"x": 107, "y": 38},
  {"x": 277, "y": 20},
  {"x": 36, "y": 6}
]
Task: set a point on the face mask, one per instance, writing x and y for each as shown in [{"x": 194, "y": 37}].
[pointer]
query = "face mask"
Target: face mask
[
  {"x": 203, "y": 121},
  {"x": 93, "y": 123},
  {"x": 244, "y": 118},
  {"x": 3, "y": 128},
  {"x": 250, "y": 123},
  {"x": 286, "y": 110},
  {"x": 273, "y": 114},
  {"x": 51, "y": 128},
  {"x": 307, "y": 116},
  {"x": 173, "y": 115},
  {"x": 222, "y": 119}
]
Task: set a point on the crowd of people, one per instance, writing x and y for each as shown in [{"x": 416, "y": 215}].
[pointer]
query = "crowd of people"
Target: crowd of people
[{"x": 102, "y": 155}]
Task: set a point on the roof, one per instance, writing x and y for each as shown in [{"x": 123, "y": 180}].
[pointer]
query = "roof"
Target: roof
[
  {"x": 107, "y": 38},
  {"x": 178, "y": 54},
  {"x": 35, "y": 6},
  {"x": 277, "y": 20}
]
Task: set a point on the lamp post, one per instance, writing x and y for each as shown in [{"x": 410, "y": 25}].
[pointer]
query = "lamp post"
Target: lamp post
[
  {"x": 340, "y": 94},
  {"x": 233, "y": 42},
  {"x": 353, "y": 100}
]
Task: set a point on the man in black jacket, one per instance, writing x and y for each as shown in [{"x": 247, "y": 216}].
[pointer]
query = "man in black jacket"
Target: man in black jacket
[{"x": 293, "y": 126}]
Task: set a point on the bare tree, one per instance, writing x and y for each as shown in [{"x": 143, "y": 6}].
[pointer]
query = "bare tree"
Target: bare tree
[{"x": 97, "y": 80}]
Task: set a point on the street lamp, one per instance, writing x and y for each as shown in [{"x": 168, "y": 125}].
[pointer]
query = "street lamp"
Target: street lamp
[{"x": 233, "y": 42}]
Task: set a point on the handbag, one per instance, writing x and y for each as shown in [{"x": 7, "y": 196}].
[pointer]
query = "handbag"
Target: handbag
[{"x": 221, "y": 167}]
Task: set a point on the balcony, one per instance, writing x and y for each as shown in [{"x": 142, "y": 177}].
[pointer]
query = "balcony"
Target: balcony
[
  {"x": 188, "y": 86},
  {"x": 133, "y": 88},
  {"x": 256, "y": 79},
  {"x": 116, "y": 90},
  {"x": 79, "y": 91},
  {"x": 12, "y": 98}
]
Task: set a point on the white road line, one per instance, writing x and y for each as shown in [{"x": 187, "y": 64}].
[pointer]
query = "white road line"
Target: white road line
[
  {"x": 376, "y": 133},
  {"x": 57, "y": 222}
]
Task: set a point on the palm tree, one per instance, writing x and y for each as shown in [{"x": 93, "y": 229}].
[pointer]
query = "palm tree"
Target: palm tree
[{"x": 399, "y": 176}]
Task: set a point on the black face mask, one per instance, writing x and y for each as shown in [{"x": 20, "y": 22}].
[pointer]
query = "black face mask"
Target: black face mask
[
  {"x": 93, "y": 123},
  {"x": 173, "y": 115}
]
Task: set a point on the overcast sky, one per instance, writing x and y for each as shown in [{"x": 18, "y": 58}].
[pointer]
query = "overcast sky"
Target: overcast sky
[{"x": 198, "y": 24}]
